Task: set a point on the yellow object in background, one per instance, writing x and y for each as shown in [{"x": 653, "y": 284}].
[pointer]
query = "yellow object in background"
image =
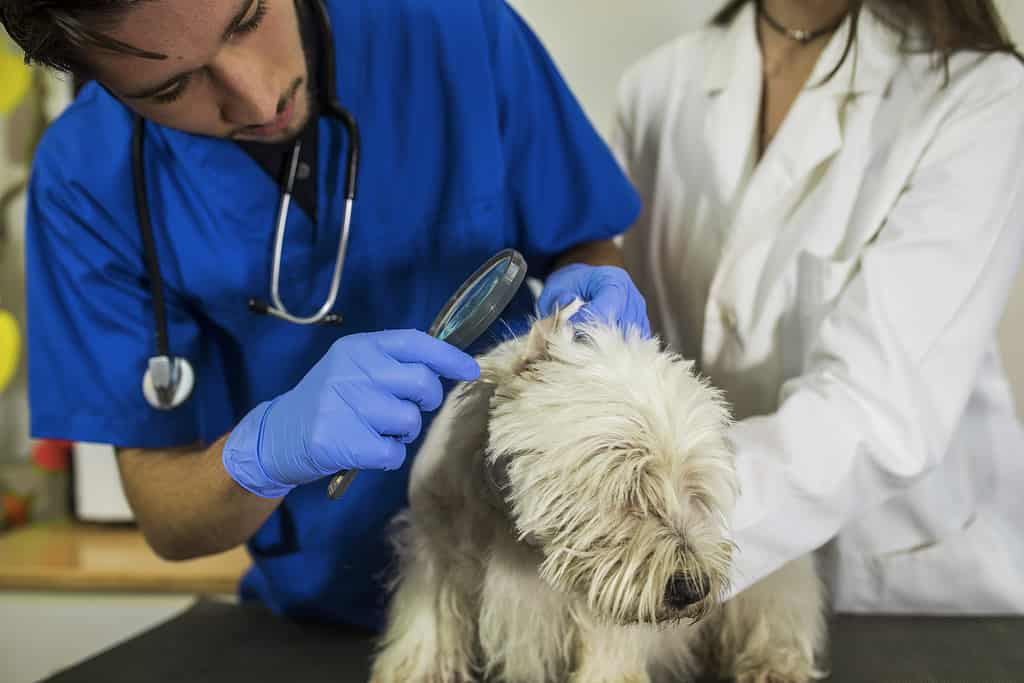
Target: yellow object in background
[
  {"x": 10, "y": 348},
  {"x": 16, "y": 78}
]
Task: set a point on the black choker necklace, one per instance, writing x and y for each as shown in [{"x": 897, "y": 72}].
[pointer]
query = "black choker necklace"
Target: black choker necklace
[{"x": 797, "y": 34}]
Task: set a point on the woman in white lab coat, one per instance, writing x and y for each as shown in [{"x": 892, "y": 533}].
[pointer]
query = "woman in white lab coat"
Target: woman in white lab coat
[{"x": 833, "y": 221}]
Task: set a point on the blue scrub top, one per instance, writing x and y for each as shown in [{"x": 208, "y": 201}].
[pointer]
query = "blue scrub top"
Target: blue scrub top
[{"x": 471, "y": 143}]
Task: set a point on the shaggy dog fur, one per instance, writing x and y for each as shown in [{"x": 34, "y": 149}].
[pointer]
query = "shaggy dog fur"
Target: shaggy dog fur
[{"x": 568, "y": 520}]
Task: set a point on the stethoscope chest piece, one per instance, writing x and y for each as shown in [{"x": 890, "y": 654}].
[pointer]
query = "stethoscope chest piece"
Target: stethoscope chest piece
[{"x": 168, "y": 382}]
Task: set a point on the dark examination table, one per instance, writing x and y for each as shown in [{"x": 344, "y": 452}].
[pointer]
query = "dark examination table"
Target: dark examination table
[{"x": 215, "y": 642}]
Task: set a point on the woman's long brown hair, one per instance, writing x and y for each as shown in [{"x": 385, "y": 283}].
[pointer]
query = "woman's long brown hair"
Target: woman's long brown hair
[{"x": 946, "y": 26}]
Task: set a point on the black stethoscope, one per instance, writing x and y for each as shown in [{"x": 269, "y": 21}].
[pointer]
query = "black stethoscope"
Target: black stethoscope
[{"x": 169, "y": 380}]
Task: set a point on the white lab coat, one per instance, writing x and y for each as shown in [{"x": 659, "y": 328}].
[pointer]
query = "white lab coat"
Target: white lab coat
[{"x": 845, "y": 293}]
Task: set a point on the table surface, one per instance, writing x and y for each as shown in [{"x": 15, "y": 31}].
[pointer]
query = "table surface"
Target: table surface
[
  {"x": 67, "y": 555},
  {"x": 221, "y": 643}
]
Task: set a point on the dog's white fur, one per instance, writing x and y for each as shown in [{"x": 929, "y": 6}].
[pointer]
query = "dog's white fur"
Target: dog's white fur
[{"x": 557, "y": 504}]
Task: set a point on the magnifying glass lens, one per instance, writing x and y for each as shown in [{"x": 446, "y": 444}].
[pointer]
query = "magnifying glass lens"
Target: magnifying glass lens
[{"x": 470, "y": 306}]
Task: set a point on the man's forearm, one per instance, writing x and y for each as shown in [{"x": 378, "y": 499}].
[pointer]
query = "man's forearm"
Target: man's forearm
[{"x": 186, "y": 504}]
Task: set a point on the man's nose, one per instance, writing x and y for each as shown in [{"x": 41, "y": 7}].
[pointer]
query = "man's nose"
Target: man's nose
[{"x": 248, "y": 96}]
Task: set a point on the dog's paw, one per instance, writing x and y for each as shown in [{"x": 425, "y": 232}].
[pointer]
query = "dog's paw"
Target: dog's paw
[
  {"x": 395, "y": 666},
  {"x": 397, "y": 679},
  {"x": 408, "y": 674},
  {"x": 417, "y": 666},
  {"x": 781, "y": 666},
  {"x": 580, "y": 677},
  {"x": 766, "y": 677}
]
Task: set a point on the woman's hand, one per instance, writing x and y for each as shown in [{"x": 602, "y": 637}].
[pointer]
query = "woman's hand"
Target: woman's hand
[{"x": 607, "y": 292}]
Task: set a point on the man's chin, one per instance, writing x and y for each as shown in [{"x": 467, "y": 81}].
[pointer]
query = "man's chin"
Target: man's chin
[
  {"x": 294, "y": 127},
  {"x": 286, "y": 135}
]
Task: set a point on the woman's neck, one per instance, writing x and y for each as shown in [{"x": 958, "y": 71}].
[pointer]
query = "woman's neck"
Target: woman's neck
[{"x": 806, "y": 15}]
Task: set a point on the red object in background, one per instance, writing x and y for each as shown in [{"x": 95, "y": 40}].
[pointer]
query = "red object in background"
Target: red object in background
[{"x": 52, "y": 455}]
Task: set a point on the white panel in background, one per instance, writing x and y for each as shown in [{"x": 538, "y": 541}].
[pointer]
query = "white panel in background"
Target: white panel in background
[
  {"x": 593, "y": 42},
  {"x": 99, "y": 496}
]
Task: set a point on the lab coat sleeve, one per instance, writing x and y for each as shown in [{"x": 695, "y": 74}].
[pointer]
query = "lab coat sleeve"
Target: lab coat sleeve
[
  {"x": 90, "y": 314},
  {"x": 565, "y": 185},
  {"x": 889, "y": 369}
]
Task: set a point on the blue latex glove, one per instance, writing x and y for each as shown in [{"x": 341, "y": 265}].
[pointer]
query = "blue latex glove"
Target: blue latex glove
[
  {"x": 357, "y": 408},
  {"x": 607, "y": 292}
]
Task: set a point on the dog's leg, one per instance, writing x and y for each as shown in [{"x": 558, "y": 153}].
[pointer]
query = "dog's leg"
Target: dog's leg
[
  {"x": 613, "y": 654},
  {"x": 526, "y": 632},
  {"x": 772, "y": 631},
  {"x": 442, "y": 543},
  {"x": 430, "y": 637}
]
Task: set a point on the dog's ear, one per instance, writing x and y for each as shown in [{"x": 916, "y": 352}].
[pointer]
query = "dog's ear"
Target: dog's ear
[
  {"x": 545, "y": 329},
  {"x": 516, "y": 355}
]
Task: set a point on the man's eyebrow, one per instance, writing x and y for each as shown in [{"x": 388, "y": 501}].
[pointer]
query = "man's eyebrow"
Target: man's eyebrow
[{"x": 243, "y": 9}]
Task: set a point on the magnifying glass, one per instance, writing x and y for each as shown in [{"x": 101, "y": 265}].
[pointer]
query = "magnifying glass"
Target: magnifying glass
[{"x": 469, "y": 313}]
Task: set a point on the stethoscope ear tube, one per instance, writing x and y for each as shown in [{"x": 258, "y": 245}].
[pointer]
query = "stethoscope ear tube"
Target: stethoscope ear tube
[
  {"x": 168, "y": 380},
  {"x": 148, "y": 245},
  {"x": 354, "y": 145}
]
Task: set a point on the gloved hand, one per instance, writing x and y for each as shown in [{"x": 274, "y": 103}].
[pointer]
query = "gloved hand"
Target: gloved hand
[
  {"x": 357, "y": 408},
  {"x": 607, "y": 292}
]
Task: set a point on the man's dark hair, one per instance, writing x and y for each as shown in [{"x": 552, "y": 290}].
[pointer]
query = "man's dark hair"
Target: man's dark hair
[{"x": 54, "y": 32}]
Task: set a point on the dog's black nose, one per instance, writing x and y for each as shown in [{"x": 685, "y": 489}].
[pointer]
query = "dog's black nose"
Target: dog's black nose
[{"x": 683, "y": 591}]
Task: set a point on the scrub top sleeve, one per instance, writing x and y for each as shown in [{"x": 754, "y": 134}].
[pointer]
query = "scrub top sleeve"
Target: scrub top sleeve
[
  {"x": 565, "y": 185},
  {"x": 90, "y": 321}
]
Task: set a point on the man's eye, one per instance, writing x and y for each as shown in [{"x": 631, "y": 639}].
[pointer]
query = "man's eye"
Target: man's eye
[
  {"x": 252, "y": 23},
  {"x": 173, "y": 93}
]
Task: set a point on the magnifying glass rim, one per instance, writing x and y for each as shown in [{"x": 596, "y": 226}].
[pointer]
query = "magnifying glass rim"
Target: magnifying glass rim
[{"x": 503, "y": 295}]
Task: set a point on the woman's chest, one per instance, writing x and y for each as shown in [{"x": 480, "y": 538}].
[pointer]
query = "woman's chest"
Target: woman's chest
[{"x": 744, "y": 255}]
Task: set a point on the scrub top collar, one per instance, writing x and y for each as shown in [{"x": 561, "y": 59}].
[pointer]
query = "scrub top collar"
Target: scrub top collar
[{"x": 273, "y": 157}]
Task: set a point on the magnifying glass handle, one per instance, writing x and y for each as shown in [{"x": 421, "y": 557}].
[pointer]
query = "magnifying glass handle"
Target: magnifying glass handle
[{"x": 340, "y": 482}]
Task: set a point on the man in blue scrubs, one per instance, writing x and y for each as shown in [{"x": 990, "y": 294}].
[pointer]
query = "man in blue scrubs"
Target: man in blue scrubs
[{"x": 471, "y": 143}]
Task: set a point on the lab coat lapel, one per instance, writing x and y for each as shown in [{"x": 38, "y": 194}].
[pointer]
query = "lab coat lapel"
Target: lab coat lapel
[
  {"x": 813, "y": 131},
  {"x": 813, "y": 134},
  {"x": 733, "y": 84},
  {"x": 809, "y": 136}
]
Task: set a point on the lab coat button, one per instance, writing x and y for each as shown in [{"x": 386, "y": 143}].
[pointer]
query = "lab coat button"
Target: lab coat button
[
  {"x": 732, "y": 326},
  {"x": 729, "y": 319}
]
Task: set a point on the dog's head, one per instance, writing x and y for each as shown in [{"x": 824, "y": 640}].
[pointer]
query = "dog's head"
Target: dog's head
[{"x": 611, "y": 458}]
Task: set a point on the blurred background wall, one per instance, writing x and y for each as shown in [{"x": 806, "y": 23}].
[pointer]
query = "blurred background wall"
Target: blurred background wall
[{"x": 28, "y": 98}]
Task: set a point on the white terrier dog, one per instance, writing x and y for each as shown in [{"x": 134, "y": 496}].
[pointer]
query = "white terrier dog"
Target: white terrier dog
[{"x": 568, "y": 520}]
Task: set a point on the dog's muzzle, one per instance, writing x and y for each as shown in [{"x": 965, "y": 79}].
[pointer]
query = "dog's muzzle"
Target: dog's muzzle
[{"x": 682, "y": 591}]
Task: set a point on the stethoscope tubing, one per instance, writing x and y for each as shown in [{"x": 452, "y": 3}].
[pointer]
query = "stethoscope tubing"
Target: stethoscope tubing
[{"x": 168, "y": 381}]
